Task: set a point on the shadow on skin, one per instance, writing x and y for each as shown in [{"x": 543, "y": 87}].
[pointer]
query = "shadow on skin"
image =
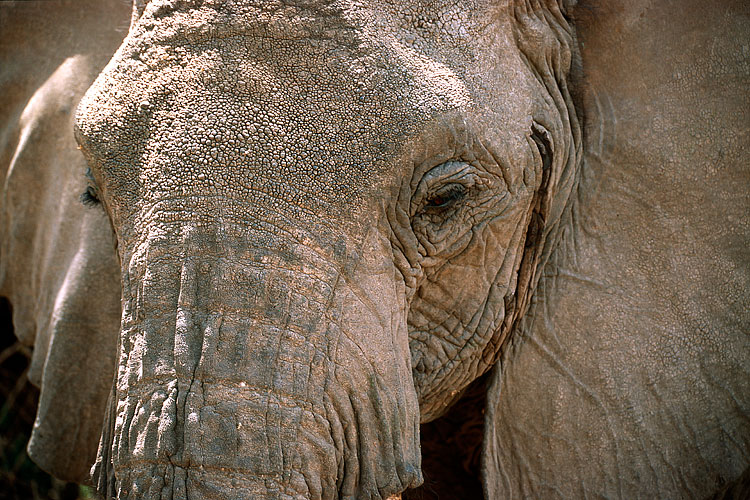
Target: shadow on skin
[{"x": 451, "y": 449}]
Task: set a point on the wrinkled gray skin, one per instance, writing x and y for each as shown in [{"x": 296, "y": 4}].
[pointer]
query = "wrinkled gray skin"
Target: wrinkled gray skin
[
  {"x": 331, "y": 218},
  {"x": 321, "y": 213}
]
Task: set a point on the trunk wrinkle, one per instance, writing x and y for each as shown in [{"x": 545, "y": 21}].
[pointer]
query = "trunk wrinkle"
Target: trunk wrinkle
[
  {"x": 271, "y": 396},
  {"x": 273, "y": 384}
]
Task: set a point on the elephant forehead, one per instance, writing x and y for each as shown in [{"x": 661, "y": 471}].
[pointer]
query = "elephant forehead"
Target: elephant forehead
[
  {"x": 343, "y": 63},
  {"x": 361, "y": 75},
  {"x": 213, "y": 101},
  {"x": 306, "y": 18}
]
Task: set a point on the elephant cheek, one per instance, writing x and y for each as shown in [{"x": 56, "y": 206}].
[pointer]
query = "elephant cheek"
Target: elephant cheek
[{"x": 241, "y": 377}]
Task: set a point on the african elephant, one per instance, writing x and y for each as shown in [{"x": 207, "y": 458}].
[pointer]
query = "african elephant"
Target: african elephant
[
  {"x": 57, "y": 266},
  {"x": 333, "y": 220}
]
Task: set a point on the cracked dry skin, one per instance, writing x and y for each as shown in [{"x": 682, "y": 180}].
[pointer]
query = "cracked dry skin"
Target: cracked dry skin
[
  {"x": 328, "y": 217},
  {"x": 331, "y": 217}
]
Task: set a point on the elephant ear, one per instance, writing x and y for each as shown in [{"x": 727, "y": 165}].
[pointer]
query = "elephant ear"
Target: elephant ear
[
  {"x": 58, "y": 267},
  {"x": 629, "y": 374}
]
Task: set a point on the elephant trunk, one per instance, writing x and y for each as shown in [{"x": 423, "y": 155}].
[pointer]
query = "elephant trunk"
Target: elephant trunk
[{"x": 246, "y": 372}]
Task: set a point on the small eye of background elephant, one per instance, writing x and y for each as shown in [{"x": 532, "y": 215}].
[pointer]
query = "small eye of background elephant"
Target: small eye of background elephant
[{"x": 89, "y": 197}]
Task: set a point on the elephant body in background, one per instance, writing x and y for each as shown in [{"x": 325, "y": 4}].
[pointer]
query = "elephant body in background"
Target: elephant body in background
[
  {"x": 651, "y": 277},
  {"x": 57, "y": 267},
  {"x": 327, "y": 223}
]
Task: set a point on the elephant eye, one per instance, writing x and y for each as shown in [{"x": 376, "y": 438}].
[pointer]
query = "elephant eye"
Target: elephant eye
[
  {"x": 446, "y": 196},
  {"x": 89, "y": 198},
  {"x": 443, "y": 187}
]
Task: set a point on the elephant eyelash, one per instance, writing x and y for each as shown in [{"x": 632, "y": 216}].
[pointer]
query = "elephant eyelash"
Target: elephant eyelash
[
  {"x": 89, "y": 198},
  {"x": 445, "y": 197}
]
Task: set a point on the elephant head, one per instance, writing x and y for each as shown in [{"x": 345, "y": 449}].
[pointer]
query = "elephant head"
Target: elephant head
[
  {"x": 331, "y": 218},
  {"x": 328, "y": 217}
]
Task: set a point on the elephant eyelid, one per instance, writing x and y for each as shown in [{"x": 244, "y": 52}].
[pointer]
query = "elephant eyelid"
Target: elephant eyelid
[
  {"x": 540, "y": 136},
  {"x": 443, "y": 187},
  {"x": 445, "y": 197}
]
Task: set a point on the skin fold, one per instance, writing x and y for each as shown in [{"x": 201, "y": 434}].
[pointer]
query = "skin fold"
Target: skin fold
[{"x": 331, "y": 223}]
